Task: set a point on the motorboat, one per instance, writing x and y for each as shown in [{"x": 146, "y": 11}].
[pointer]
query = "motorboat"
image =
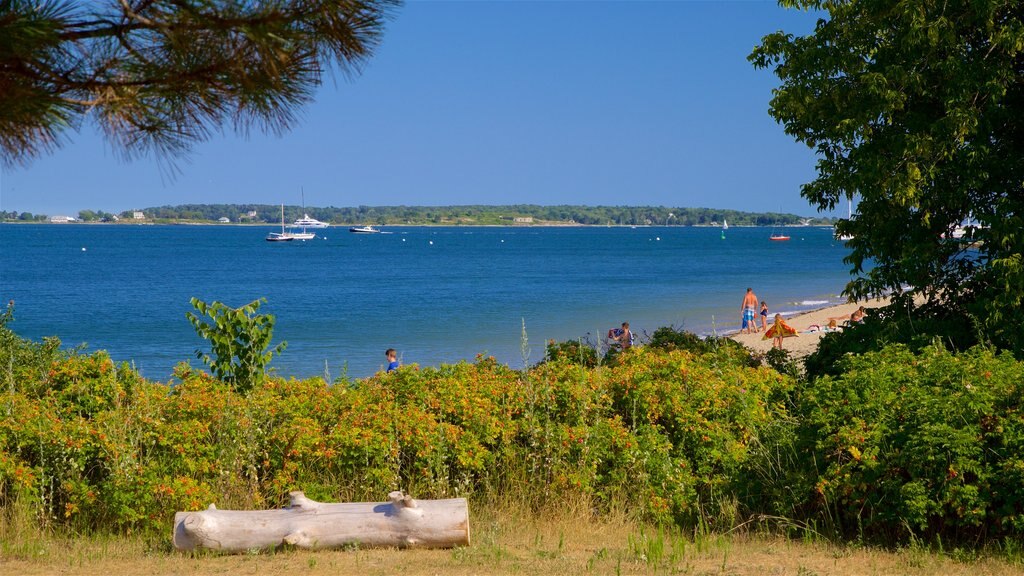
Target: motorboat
[
  {"x": 307, "y": 222},
  {"x": 364, "y": 230}
]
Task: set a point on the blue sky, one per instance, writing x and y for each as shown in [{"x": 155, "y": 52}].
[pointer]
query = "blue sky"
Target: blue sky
[{"x": 481, "y": 102}]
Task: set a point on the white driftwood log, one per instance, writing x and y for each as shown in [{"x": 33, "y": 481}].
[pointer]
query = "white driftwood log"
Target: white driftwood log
[{"x": 402, "y": 522}]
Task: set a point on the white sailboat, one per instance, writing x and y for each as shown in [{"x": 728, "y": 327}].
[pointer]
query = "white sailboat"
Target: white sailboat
[
  {"x": 306, "y": 222},
  {"x": 282, "y": 236},
  {"x": 776, "y": 235},
  {"x": 849, "y": 216}
]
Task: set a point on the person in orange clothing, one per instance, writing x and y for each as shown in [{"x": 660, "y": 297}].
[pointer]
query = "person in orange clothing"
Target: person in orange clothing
[{"x": 778, "y": 331}]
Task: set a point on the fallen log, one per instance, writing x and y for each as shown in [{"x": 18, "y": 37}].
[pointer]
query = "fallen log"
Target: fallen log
[{"x": 402, "y": 522}]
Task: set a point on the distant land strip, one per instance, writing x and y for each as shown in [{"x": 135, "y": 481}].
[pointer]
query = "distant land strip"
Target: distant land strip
[{"x": 469, "y": 215}]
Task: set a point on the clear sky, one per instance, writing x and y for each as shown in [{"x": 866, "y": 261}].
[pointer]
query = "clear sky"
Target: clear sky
[{"x": 486, "y": 102}]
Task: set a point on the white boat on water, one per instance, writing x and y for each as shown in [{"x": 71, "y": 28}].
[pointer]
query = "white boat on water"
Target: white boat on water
[
  {"x": 778, "y": 236},
  {"x": 307, "y": 222},
  {"x": 364, "y": 230},
  {"x": 849, "y": 216},
  {"x": 303, "y": 235},
  {"x": 281, "y": 236}
]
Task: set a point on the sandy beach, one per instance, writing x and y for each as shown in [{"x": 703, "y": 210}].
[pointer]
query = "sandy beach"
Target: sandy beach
[{"x": 802, "y": 345}]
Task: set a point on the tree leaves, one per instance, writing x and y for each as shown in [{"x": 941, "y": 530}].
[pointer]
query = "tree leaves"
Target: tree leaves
[
  {"x": 916, "y": 109},
  {"x": 239, "y": 341},
  {"x": 158, "y": 76}
]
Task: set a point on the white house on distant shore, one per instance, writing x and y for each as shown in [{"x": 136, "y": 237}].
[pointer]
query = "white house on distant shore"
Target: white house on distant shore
[
  {"x": 62, "y": 219},
  {"x": 138, "y": 215},
  {"x": 224, "y": 220}
]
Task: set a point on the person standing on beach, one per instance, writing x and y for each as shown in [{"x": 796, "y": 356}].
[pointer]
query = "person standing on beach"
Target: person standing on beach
[
  {"x": 625, "y": 337},
  {"x": 764, "y": 315},
  {"x": 779, "y": 331},
  {"x": 392, "y": 359},
  {"x": 749, "y": 309}
]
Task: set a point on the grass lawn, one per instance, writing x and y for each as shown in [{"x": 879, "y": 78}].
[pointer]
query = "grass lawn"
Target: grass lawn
[{"x": 503, "y": 544}]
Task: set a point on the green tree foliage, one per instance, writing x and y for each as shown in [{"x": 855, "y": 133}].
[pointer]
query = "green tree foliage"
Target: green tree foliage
[
  {"x": 917, "y": 109},
  {"x": 929, "y": 445},
  {"x": 160, "y": 75},
  {"x": 239, "y": 340}
]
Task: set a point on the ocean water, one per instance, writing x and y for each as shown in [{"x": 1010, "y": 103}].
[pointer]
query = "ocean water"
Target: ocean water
[{"x": 437, "y": 295}]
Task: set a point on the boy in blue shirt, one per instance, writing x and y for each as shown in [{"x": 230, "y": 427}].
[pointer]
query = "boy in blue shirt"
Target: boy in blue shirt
[{"x": 392, "y": 359}]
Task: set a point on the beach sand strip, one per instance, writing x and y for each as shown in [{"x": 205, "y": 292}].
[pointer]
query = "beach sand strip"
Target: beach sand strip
[{"x": 807, "y": 342}]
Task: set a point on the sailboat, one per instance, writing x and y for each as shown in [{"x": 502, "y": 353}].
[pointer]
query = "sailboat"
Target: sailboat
[
  {"x": 305, "y": 222},
  {"x": 282, "y": 236},
  {"x": 849, "y": 216},
  {"x": 778, "y": 236},
  {"x": 725, "y": 226}
]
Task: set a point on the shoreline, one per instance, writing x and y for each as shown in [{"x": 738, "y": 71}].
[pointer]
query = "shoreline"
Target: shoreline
[
  {"x": 422, "y": 225},
  {"x": 806, "y": 342}
]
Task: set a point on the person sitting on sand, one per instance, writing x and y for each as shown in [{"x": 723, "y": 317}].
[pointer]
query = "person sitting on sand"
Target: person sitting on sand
[
  {"x": 855, "y": 318},
  {"x": 778, "y": 331},
  {"x": 858, "y": 315}
]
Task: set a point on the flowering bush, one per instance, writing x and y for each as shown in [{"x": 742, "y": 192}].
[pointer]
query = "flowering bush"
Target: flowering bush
[
  {"x": 93, "y": 445},
  {"x": 928, "y": 443}
]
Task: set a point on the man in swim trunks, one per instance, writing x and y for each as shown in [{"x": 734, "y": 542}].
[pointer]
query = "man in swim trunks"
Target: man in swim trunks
[{"x": 749, "y": 309}]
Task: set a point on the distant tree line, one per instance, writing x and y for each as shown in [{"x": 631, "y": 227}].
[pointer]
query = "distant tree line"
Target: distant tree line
[
  {"x": 449, "y": 215},
  {"x": 15, "y": 216}
]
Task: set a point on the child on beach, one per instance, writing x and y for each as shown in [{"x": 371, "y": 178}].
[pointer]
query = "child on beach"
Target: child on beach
[
  {"x": 392, "y": 359},
  {"x": 764, "y": 315},
  {"x": 778, "y": 331}
]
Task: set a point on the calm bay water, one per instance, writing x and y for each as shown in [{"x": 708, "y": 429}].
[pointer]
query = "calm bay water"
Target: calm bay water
[{"x": 435, "y": 294}]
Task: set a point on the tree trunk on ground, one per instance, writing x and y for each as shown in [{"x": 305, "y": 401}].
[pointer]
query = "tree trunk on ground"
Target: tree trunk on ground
[{"x": 402, "y": 522}]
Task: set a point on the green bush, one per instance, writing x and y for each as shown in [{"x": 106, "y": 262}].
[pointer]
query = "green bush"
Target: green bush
[
  {"x": 670, "y": 338},
  {"x": 572, "y": 351},
  {"x": 893, "y": 324},
  {"x": 239, "y": 341},
  {"x": 929, "y": 445}
]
